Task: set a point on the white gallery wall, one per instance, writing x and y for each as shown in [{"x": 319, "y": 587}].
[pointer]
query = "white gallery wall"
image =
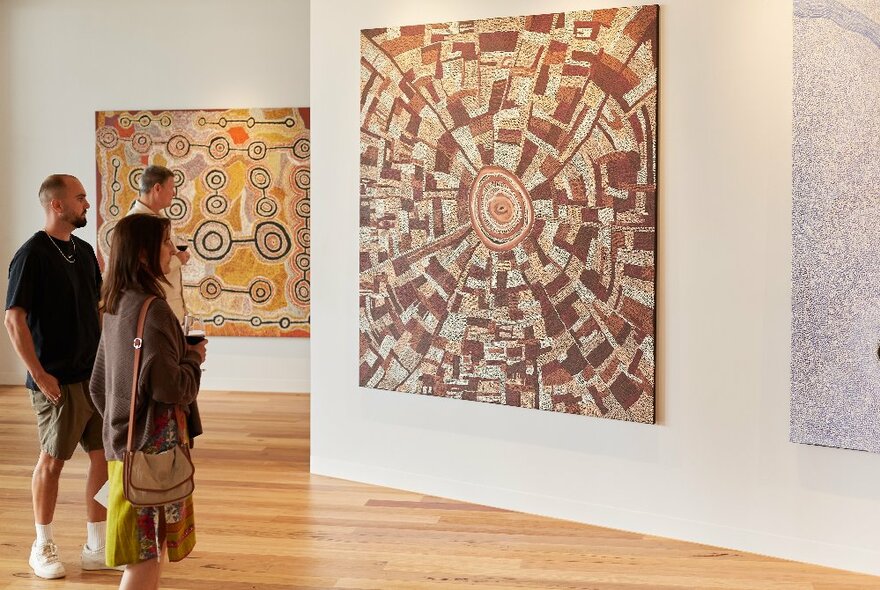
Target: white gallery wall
[
  {"x": 718, "y": 467},
  {"x": 62, "y": 61}
]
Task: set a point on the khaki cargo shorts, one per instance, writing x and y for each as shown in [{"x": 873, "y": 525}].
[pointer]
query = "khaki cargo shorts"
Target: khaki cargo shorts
[{"x": 73, "y": 421}]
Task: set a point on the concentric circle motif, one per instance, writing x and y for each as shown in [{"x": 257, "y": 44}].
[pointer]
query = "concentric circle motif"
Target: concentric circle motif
[
  {"x": 134, "y": 178},
  {"x": 145, "y": 120},
  {"x": 216, "y": 204},
  {"x": 212, "y": 240},
  {"x": 210, "y": 288},
  {"x": 303, "y": 291},
  {"x": 302, "y": 179},
  {"x": 215, "y": 179},
  {"x": 114, "y": 210},
  {"x": 501, "y": 209},
  {"x": 302, "y": 148},
  {"x": 222, "y": 122},
  {"x": 284, "y": 323},
  {"x": 179, "y": 178},
  {"x": 260, "y": 177},
  {"x": 267, "y": 207},
  {"x": 141, "y": 142},
  {"x": 256, "y": 322},
  {"x": 257, "y": 150},
  {"x": 260, "y": 290},
  {"x": 178, "y": 146},
  {"x": 302, "y": 261},
  {"x": 290, "y": 121},
  {"x": 272, "y": 240},
  {"x": 125, "y": 121},
  {"x": 304, "y": 208},
  {"x": 218, "y": 320},
  {"x": 116, "y": 186},
  {"x": 218, "y": 148},
  {"x": 251, "y": 122},
  {"x": 165, "y": 120},
  {"x": 177, "y": 210},
  {"x": 108, "y": 137},
  {"x": 304, "y": 237}
]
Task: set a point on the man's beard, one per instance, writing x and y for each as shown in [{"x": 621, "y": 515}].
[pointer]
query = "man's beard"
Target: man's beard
[{"x": 76, "y": 222}]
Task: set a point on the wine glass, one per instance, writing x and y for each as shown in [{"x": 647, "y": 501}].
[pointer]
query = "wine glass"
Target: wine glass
[
  {"x": 181, "y": 243},
  {"x": 194, "y": 329}
]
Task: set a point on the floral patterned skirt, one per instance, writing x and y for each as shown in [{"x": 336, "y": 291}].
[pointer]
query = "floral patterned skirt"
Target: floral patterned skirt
[{"x": 132, "y": 532}]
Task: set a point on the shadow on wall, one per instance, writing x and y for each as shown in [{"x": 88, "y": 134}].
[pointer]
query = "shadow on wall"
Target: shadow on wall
[
  {"x": 12, "y": 203},
  {"x": 636, "y": 442}
]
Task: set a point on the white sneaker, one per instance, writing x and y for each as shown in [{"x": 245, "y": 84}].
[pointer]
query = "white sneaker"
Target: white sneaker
[
  {"x": 96, "y": 560},
  {"x": 45, "y": 562}
]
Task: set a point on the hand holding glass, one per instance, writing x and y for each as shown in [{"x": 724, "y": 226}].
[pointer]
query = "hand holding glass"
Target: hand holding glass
[
  {"x": 195, "y": 330},
  {"x": 195, "y": 334},
  {"x": 182, "y": 244}
]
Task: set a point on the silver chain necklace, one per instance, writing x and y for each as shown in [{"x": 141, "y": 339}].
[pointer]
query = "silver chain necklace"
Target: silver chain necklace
[{"x": 69, "y": 258}]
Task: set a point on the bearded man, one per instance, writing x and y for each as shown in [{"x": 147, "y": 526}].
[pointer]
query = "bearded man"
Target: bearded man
[{"x": 53, "y": 322}]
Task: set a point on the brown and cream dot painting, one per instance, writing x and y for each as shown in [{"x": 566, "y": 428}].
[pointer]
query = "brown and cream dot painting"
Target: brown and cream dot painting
[{"x": 508, "y": 211}]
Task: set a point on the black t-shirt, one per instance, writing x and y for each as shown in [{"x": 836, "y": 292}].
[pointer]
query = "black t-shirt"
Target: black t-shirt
[{"x": 61, "y": 301}]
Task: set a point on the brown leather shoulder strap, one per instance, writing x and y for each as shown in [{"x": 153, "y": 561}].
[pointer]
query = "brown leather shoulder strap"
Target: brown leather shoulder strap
[{"x": 137, "y": 344}]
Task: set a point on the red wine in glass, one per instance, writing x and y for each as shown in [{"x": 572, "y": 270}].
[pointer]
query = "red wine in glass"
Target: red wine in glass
[
  {"x": 195, "y": 336},
  {"x": 195, "y": 330}
]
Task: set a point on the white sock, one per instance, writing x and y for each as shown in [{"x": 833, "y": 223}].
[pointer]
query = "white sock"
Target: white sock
[
  {"x": 96, "y": 531},
  {"x": 44, "y": 533}
]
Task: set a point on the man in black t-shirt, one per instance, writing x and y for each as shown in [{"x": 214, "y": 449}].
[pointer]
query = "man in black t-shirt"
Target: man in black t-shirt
[{"x": 52, "y": 320}]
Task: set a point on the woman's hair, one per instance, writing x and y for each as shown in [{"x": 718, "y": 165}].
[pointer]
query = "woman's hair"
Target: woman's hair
[{"x": 135, "y": 259}]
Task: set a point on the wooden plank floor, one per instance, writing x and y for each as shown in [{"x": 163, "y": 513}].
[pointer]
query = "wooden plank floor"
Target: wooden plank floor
[{"x": 265, "y": 523}]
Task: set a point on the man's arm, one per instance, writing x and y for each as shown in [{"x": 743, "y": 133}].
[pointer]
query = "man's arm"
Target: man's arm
[{"x": 20, "y": 334}]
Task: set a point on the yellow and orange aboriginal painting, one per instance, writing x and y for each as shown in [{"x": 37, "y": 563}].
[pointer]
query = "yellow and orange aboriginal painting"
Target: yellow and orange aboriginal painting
[
  {"x": 242, "y": 207},
  {"x": 508, "y": 211}
]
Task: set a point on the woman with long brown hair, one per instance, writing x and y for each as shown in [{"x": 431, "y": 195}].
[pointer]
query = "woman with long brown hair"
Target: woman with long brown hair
[{"x": 168, "y": 382}]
